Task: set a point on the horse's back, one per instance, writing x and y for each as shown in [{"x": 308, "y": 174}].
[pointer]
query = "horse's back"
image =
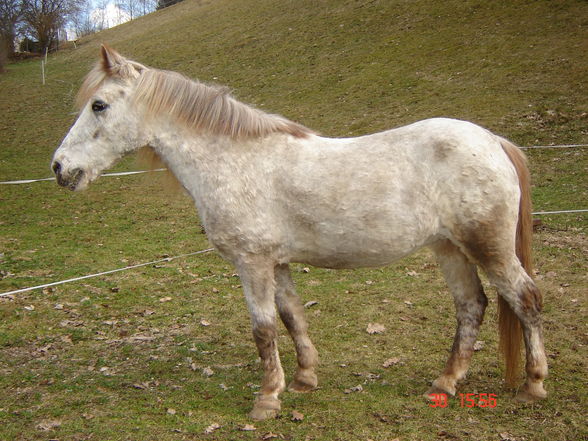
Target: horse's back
[
  {"x": 459, "y": 165},
  {"x": 370, "y": 200}
]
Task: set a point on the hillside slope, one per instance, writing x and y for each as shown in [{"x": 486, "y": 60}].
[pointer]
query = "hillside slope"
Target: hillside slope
[
  {"x": 357, "y": 66},
  {"x": 118, "y": 357},
  {"x": 345, "y": 67}
]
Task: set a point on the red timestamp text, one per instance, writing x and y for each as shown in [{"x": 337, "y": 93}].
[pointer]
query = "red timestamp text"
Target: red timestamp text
[{"x": 465, "y": 400}]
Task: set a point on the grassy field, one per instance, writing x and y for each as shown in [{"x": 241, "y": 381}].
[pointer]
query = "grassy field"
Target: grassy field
[{"x": 165, "y": 351}]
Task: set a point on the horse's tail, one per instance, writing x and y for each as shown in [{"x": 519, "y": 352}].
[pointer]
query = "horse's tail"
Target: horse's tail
[{"x": 510, "y": 334}]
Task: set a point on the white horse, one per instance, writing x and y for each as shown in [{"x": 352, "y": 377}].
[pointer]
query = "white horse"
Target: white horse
[{"x": 270, "y": 192}]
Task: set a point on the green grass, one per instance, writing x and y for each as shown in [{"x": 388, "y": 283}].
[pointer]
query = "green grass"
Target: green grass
[{"x": 344, "y": 68}]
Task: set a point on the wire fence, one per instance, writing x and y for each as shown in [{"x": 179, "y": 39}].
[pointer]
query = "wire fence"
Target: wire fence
[
  {"x": 169, "y": 259},
  {"x": 103, "y": 273},
  {"x": 29, "y": 181},
  {"x": 563, "y": 146}
]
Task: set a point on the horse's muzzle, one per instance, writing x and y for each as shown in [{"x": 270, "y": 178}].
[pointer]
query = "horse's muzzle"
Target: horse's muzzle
[{"x": 69, "y": 180}]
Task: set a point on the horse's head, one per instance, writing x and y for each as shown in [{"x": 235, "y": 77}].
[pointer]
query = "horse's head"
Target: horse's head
[{"x": 107, "y": 127}]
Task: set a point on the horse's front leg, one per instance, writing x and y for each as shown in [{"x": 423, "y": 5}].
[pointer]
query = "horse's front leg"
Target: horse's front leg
[
  {"x": 292, "y": 314},
  {"x": 259, "y": 287}
]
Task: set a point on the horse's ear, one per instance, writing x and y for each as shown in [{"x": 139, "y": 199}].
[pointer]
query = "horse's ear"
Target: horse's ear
[
  {"x": 114, "y": 64},
  {"x": 111, "y": 59}
]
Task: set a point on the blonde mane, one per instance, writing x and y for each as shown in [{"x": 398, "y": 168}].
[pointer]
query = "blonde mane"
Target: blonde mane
[
  {"x": 207, "y": 108},
  {"x": 197, "y": 106}
]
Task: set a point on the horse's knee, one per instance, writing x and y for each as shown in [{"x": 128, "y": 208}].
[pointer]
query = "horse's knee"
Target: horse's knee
[{"x": 265, "y": 337}]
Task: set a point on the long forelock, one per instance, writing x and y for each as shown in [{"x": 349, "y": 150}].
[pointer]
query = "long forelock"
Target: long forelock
[
  {"x": 207, "y": 109},
  {"x": 99, "y": 74},
  {"x": 91, "y": 84}
]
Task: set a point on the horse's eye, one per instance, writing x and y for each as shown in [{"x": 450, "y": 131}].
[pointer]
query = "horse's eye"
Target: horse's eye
[{"x": 99, "y": 106}]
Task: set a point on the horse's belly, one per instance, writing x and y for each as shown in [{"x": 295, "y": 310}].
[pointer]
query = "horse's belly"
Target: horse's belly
[
  {"x": 360, "y": 249},
  {"x": 343, "y": 260}
]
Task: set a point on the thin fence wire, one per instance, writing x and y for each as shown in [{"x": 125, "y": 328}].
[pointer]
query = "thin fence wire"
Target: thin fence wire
[
  {"x": 169, "y": 259},
  {"x": 29, "y": 181},
  {"x": 540, "y": 213},
  {"x": 563, "y": 146},
  {"x": 103, "y": 273}
]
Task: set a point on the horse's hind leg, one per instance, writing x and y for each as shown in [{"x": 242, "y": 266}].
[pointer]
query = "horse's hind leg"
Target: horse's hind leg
[
  {"x": 492, "y": 248},
  {"x": 292, "y": 314},
  {"x": 470, "y": 303},
  {"x": 259, "y": 287},
  {"x": 518, "y": 289}
]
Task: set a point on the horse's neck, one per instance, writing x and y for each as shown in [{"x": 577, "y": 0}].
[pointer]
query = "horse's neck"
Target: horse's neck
[
  {"x": 187, "y": 157},
  {"x": 205, "y": 164}
]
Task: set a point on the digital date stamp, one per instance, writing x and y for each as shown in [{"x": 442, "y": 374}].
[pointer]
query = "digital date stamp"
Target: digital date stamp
[{"x": 482, "y": 400}]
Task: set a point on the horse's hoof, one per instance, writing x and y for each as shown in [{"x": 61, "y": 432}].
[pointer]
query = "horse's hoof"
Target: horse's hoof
[
  {"x": 433, "y": 393},
  {"x": 300, "y": 387},
  {"x": 531, "y": 392},
  {"x": 303, "y": 382},
  {"x": 265, "y": 409},
  {"x": 258, "y": 414},
  {"x": 435, "y": 390}
]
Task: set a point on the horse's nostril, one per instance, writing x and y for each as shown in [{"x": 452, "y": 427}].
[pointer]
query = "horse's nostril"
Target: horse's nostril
[{"x": 56, "y": 167}]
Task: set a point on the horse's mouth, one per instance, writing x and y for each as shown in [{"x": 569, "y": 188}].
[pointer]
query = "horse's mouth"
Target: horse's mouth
[
  {"x": 71, "y": 182},
  {"x": 75, "y": 180}
]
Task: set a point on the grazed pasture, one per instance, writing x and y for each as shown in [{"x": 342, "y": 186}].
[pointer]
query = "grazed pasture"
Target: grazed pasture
[{"x": 165, "y": 352}]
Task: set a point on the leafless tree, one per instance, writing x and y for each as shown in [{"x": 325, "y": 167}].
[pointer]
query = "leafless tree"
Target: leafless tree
[
  {"x": 129, "y": 6},
  {"x": 147, "y": 6},
  {"x": 98, "y": 15},
  {"x": 44, "y": 18},
  {"x": 3, "y": 54},
  {"x": 136, "y": 8},
  {"x": 82, "y": 22},
  {"x": 10, "y": 14}
]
